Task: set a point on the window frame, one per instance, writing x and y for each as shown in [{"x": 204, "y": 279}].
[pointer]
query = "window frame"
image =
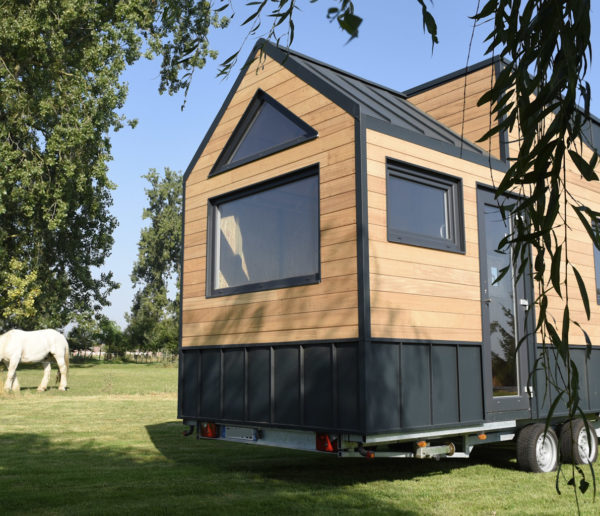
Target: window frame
[
  {"x": 453, "y": 187},
  {"x": 270, "y": 184},
  {"x": 222, "y": 163}
]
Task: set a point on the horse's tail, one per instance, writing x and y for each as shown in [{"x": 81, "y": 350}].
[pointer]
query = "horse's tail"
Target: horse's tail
[{"x": 66, "y": 357}]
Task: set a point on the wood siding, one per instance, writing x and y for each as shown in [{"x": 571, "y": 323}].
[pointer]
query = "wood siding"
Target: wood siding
[
  {"x": 422, "y": 293},
  {"x": 581, "y": 255},
  {"x": 327, "y": 310},
  {"x": 416, "y": 292},
  {"x": 454, "y": 104}
]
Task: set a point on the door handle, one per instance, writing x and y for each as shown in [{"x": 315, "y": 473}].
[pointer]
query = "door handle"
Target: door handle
[
  {"x": 524, "y": 303},
  {"x": 488, "y": 300}
]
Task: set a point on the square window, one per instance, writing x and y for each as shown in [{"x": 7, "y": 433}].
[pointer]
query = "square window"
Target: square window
[
  {"x": 424, "y": 208},
  {"x": 265, "y": 236}
]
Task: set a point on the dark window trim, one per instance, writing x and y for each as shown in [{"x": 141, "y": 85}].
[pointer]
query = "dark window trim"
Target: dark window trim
[
  {"x": 213, "y": 203},
  {"x": 452, "y": 185},
  {"x": 260, "y": 97}
]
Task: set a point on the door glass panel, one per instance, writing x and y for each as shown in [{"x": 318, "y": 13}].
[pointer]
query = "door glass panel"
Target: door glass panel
[{"x": 500, "y": 303}]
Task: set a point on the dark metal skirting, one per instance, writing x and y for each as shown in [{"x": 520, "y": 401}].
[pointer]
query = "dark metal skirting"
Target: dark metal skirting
[
  {"x": 421, "y": 384},
  {"x": 307, "y": 386},
  {"x": 589, "y": 382},
  {"x": 316, "y": 386}
]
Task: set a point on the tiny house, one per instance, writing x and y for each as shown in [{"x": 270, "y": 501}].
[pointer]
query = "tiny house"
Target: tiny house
[{"x": 339, "y": 267}]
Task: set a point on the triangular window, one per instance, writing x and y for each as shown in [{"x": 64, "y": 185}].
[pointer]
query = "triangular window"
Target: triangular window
[{"x": 265, "y": 128}]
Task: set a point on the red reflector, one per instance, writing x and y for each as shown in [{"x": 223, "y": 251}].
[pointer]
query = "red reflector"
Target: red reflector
[
  {"x": 209, "y": 430},
  {"x": 324, "y": 443}
]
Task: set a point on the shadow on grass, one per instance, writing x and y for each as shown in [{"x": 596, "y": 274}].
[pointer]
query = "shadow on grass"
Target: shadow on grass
[
  {"x": 318, "y": 469},
  {"x": 82, "y": 478},
  {"x": 177, "y": 474}
]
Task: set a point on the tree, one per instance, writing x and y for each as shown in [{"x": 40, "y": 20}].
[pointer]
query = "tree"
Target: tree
[
  {"x": 153, "y": 322},
  {"x": 60, "y": 62},
  {"x": 111, "y": 337}
]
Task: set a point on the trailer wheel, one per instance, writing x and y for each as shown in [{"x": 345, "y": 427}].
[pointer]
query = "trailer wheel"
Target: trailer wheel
[
  {"x": 537, "y": 451},
  {"x": 575, "y": 447}
]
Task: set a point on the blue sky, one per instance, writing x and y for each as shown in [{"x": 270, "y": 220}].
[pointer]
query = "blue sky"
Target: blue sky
[{"x": 391, "y": 49}]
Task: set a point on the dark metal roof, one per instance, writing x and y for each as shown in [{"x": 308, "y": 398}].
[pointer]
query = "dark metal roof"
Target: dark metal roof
[{"x": 373, "y": 100}]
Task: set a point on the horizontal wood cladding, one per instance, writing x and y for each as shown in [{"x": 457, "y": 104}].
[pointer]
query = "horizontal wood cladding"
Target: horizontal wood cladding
[
  {"x": 323, "y": 311},
  {"x": 454, "y": 104},
  {"x": 418, "y": 292},
  {"x": 581, "y": 255},
  {"x": 422, "y": 293}
]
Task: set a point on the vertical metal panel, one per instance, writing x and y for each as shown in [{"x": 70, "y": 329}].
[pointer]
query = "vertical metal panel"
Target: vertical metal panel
[
  {"x": 210, "y": 384},
  {"x": 545, "y": 393},
  {"x": 578, "y": 357},
  {"x": 287, "y": 385},
  {"x": 444, "y": 383},
  {"x": 258, "y": 384},
  {"x": 593, "y": 366},
  {"x": 317, "y": 386},
  {"x": 233, "y": 384},
  {"x": 347, "y": 379},
  {"x": 190, "y": 385},
  {"x": 470, "y": 383},
  {"x": 383, "y": 387},
  {"x": 416, "y": 395}
]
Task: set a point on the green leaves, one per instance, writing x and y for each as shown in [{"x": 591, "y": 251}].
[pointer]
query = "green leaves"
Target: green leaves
[
  {"x": 429, "y": 23},
  {"x": 153, "y": 322},
  {"x": 59, "y": 96},
  {"x": 586, "y": 169},
  {"x": 544, "y": 48}
]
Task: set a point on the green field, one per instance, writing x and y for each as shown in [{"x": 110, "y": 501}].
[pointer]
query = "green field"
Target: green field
[{"x": 112, "y": 444}]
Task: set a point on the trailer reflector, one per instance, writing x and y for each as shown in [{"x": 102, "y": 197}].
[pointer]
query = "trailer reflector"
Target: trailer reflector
[
  {"x": 482, "y": 437},
  {"x": 422, "y": 444},
  {"x": 209, "y": 430},
  {"x": 325, "y": 444}
]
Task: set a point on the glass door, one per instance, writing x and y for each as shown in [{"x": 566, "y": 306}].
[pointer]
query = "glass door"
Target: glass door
[{"x": 505, "y": 312}]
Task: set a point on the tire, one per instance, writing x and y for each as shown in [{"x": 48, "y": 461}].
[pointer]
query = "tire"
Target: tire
[
  {"x": 537, "y": 452},
  {"x": 574, "y": 444}
]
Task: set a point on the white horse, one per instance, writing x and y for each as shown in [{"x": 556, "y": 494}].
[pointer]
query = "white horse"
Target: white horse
[{"x": 31, "y": 347}]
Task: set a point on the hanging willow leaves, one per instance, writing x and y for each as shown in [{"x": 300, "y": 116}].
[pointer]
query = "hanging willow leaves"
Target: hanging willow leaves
[{"x": 544, "y": 50}]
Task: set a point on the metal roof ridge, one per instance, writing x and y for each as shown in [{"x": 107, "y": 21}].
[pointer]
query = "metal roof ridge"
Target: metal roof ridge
[
  {"x": 452, "y": 75},
  {"x": 299, "y": 55}
]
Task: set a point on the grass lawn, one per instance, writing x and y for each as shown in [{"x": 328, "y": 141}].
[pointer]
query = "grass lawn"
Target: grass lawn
[{"x": 112, "y": 444}]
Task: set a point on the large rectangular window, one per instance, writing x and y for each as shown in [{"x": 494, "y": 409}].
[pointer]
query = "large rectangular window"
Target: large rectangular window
[
  {"x": 265, "y": 236},
  {"x": 424, "y": 207}
]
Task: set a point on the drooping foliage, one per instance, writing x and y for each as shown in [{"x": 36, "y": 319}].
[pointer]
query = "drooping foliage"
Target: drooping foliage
[{"x": 546, "y": 52}]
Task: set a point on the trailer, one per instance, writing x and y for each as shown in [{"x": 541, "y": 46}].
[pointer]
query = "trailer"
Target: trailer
[{"x": 339, "y": 273}]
